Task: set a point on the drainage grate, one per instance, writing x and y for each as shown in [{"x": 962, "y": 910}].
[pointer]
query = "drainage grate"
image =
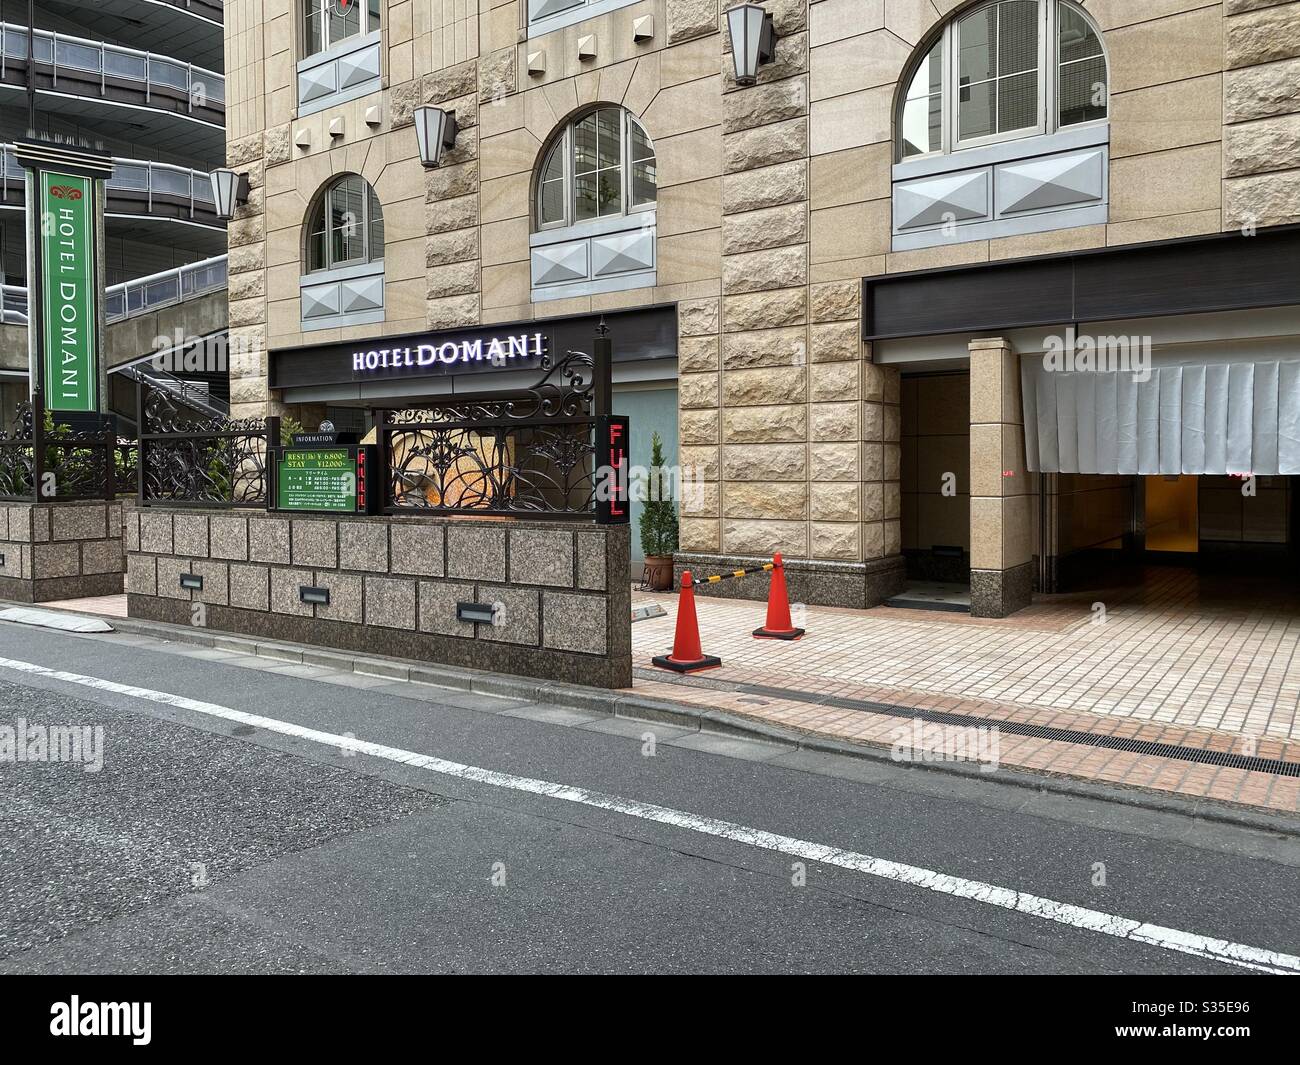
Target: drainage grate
[{"x": 1043, "y": 732}]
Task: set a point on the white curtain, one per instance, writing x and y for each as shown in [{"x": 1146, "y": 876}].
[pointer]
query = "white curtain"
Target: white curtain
[{"x": 1214, "y": 418}]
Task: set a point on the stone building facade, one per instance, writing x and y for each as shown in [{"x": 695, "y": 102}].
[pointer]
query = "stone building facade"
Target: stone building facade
[{"x": 776, "y": 206}]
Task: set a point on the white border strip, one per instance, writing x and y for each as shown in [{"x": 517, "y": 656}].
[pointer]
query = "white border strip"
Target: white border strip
[{"x": 1219, "y": 950}]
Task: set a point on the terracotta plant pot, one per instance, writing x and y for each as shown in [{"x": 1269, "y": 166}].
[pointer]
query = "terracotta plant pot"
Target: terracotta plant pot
[{"x": 658, "y": 573}]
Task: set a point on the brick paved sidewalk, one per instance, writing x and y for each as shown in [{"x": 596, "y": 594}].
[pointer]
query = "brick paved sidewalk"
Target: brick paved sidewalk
[{"x": 1186, "y": 661}]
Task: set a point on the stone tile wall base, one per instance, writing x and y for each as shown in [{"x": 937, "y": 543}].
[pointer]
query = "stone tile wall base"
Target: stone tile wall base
[
  {"x": 997, "y": 593},
  {"x": 54, "y": 589},
  {"x": 544, "y": 663},
  {"x": 564, "y": 590},
  {"x": 858, "y": 585},
  {"x": 65, "y": 550}
]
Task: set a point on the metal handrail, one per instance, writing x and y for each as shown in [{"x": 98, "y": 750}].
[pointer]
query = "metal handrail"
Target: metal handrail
[
  {"x": 140, "y": 295},
  {"x": 143, "y": 294},
  {"x": 184, "y": 391},
  {"x": 218, "y": 14},
  {"x": 129, "y": 175},
  {"x": 60, "y": 51},
  {"x": 13, "y": 304}
]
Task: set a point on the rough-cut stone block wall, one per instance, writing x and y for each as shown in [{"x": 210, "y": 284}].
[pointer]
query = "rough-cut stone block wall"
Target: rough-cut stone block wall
[
  {"x": 766, "y": 414},
  {"x": 51, "y": 551},
  {"x": 563, "y": 592},
  {"x": 1261, "y": 115}
]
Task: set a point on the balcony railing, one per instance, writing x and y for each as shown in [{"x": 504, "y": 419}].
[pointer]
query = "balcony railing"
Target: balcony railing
[
  {"x": 13, "y": 305},
  {"x": 211, "y": 9},
  {"x": 145, "y": 294},
  {"x": 137, "y": 187},
  {"x": 141, "y": 295},
  {"x": 166, "y": 83}
]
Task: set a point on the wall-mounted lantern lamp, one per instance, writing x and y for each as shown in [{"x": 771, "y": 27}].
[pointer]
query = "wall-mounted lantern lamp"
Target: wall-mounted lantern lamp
[
  {"x": 229, "y": 190},
  {"x": 753, "y": 41},
  {"x": 435, "y": 129}
]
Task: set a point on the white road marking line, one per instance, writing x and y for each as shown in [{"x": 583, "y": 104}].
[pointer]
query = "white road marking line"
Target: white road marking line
[{"x": 1219, "y": 950}]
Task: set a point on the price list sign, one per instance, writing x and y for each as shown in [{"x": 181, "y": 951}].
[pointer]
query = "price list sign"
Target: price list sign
[{"x": 323, "y": 479}]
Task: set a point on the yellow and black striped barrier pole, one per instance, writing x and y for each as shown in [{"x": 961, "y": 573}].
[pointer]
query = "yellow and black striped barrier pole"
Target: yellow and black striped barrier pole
[{"x": 766, "y": 567}]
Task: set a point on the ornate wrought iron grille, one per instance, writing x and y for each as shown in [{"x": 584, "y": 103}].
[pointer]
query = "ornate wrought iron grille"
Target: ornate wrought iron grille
[
  {"x": 191, "y": 458},
  {"x": 47, "y": 462},
  {"x": 533, "y": 452},
  {"x": 18, "y": 457}
]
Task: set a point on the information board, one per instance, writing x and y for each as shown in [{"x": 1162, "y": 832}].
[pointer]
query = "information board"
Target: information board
[{"x": 322, "y": 479}]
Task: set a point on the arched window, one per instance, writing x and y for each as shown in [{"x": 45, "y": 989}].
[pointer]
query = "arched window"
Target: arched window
[
  {"x": 327, "y": 22},
  {"x": 1001, "y": 70},
  {"x": 602, "y": 165},
  {"x": 346, "y": 227}
]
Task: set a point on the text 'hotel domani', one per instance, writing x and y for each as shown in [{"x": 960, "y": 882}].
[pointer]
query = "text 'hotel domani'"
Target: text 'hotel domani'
[{"x": 497, "y": 351}]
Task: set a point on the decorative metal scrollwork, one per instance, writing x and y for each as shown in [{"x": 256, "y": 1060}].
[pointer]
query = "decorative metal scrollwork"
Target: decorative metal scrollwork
[
  {"x": 566, "y": 390},
  {"x": 23, "y": 421},
  {"x": 17, "y": 473},
  {"x": 528, "y": 452},
  {"x": 72, "y": 464},
  {"x": 165, "y": 413},
  {"x": 193, "y": 457}
]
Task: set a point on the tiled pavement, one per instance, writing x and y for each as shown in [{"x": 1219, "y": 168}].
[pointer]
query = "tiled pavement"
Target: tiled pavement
[
  {"x": 1194, "y": 662},
  {"x": 1177, "y": 659},
  {"x": 109, "y": 606}
]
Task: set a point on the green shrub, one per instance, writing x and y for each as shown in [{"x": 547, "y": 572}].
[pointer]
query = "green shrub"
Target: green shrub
[{"x": 658, "y": 513}]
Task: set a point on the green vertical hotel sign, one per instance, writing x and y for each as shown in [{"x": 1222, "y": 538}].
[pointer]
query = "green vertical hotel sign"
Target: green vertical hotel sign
[{"x": 68, "y": 291}]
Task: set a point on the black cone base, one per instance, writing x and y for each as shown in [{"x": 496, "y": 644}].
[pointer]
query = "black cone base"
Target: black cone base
[
  {"x": 705, "y": 662},
  {"x": 792, "y": 634}
]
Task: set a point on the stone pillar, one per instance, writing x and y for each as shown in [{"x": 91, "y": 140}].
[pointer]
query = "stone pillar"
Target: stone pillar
[
  {"x": 698, "y": 392},
  {"x": 839, "y": 501},
  {"x": 882, "y": 477},
  {"x": 1001, "y": 544},
  {"x": 452, "y": 251},
  {"x": 247, "y": 289},
  {"x": 767, "y": 420},
  {"x": 1261, "y": 114},
  {"x": 67, "y": 550}
]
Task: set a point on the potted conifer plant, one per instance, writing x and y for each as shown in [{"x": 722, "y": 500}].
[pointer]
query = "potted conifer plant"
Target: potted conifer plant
[{"x": 658, "y": 523}]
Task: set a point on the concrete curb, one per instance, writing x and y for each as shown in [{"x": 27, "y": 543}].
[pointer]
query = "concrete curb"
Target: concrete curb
[{"x": 626, "y": 704}]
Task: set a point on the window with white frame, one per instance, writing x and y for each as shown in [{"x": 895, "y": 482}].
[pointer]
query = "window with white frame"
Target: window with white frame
[
  {"x": 601, "y": 166},
  {"x": 546, "y": 16},
  {"x": 328, "y": 22},
  {"x": 346, "y": 227},
  {"x": 1003, "y": 70}
]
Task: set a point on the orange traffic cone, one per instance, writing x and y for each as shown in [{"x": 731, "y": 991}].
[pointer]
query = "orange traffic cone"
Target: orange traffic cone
[
  {"x": 686, "y": 655},
  {"x": 779, "y": 626}
]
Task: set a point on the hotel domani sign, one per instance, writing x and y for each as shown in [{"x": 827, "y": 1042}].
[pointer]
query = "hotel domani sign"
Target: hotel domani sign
[
  {"x": 372, "y": 364},
  {"x": 65, "y": 362},
  {"x": 513, "y": 351},
  {"x": 68, "y": 291}
]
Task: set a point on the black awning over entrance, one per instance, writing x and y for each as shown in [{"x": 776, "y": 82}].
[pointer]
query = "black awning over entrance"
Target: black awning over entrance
[
  {"x": 1220, "y": 272},
  {"x": 641, "y": 334}
]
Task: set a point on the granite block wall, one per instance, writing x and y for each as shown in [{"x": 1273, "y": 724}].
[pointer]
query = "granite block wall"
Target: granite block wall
[
  {"x": 51, "y": 551},
  {"x": 561, "y": 592}
]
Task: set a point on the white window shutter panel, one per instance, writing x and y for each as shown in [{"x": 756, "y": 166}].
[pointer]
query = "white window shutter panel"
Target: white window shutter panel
[
  {"x": 1193, "y": 456},
  {"x": 1171, "y": 420},
  {"x": 1241, "y": 397}
]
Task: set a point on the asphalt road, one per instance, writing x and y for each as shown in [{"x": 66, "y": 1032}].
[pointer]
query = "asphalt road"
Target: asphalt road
[{"x": 208, "y": 845}]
